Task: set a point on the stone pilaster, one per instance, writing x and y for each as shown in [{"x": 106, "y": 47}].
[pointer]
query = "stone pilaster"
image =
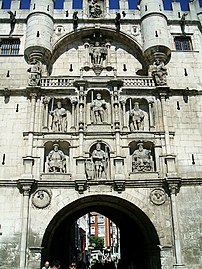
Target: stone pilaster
[
  {"x": 25, "y": 186},
  {"x": 174, "y": 188}
]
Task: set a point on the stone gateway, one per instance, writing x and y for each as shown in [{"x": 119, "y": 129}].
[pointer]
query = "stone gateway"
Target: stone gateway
[{"x": 100, "y": 111}]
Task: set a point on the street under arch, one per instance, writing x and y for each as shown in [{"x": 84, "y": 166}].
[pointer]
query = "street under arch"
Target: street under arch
[{"x": 138, "y": 237}]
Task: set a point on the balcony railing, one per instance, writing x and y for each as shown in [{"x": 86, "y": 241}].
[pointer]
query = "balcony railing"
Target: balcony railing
[{"x": 136, "y": 82}]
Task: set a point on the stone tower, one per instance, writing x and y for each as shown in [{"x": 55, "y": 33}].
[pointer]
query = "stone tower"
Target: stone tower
[
  {"x": 154, "y": 26},
  {"x": 39, "y": 31}
]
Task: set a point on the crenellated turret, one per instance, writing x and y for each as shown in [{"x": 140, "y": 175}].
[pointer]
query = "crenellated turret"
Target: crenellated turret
[
  {"x": 39, "y": 31},
  {"x": 154, "y": 31}
]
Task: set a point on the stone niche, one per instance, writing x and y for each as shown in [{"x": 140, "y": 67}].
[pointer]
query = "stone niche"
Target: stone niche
[
  {"x": 57, "y": 114},
  {"x": 56, "y": 160},
  {"x": 97, "y": 164},
  {"x": 137, "y": 114},
  {"x": 98, "y": 110},
  {"x": 142, "y": 160}
]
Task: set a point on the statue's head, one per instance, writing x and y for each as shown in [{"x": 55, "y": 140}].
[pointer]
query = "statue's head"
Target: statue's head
[
  {"x": 140, "y": 145},
  {"x": 99, "y": 96},
  {"x": 136, "y": 105},
  {"x": 98, "y": 146},
  {"x": 55, "y": 147},
  {"x": 59, "y": 104}
]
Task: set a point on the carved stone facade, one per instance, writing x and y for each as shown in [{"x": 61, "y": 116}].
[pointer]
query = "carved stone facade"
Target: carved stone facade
[{"x": 101, "y": 110}]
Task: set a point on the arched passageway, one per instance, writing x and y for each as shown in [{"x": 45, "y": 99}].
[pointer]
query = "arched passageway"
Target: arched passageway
[{"x": 138, "y": 238}]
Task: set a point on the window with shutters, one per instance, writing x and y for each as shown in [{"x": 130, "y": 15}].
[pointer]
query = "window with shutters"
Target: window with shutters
[{"x": 183, "y": 43}]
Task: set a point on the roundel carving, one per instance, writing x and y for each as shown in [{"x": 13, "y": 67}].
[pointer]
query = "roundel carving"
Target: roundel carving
[
  {"x": 158, "y": 196},
  {"x": 41, "y": 198}
]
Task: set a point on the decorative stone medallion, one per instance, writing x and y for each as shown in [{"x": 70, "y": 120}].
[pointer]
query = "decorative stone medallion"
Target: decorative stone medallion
[
  {"x": 158, "y": 196},
  {"x": 41, "y": 198}
]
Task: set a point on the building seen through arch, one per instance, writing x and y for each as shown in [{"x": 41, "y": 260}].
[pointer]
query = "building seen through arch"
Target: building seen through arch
[{"x": 100, "y": 114}]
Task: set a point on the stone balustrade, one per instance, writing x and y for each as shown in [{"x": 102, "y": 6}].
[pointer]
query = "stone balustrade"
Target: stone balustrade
[{"x": 68, "y": 82}]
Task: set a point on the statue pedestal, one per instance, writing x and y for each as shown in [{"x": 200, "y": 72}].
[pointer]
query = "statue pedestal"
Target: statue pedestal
[
  {"x": 55, "y": 177},
  {"x": 102, "y": 127},
  {"x": 143, "y": 175}
]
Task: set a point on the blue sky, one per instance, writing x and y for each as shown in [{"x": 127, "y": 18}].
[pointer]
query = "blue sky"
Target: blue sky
[{"x": 113, "y": 4}]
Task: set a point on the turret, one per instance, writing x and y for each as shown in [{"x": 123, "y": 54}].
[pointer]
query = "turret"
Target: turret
[
  {"x": 155, "y": 34},
  {"x": 39, "y": 31}
]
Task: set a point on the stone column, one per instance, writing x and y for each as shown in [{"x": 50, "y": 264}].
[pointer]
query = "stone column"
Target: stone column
[
  {"x": 81, "y": 106},
  {"x": 46, "y": 101},
  {"x": 87, "y": 62},
  {"x": 73, "y": 102},
  {"x": 123, "y": 102},
  {"x": 170, "y": 158},
  {"x": 107, "y": 14},
  {"x": 174, "y": 187},
  {"x": 151, "y": 119},
  {"x": 165, "y": 123},
  {"x": 25, "y": 187},
  {"x": 33, "y": 97},
  {"x": 85, "y": 8},
  {"x": 108, "y": 45}
]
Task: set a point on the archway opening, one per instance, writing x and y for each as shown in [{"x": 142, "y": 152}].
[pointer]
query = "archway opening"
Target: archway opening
[{"x": 138, "y": 238}]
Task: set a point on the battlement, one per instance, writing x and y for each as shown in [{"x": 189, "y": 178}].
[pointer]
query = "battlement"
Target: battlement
[{"x": 65, "y": 9}]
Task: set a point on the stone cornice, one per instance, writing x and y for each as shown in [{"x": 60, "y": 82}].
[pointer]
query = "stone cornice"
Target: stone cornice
[{"x": 146, "y": 183}]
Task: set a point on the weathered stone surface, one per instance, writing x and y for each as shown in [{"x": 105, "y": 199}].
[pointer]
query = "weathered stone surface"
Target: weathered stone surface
[{"x": 82, "y": 94}]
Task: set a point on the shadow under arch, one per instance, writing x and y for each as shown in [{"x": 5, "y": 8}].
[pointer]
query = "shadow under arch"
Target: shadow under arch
[
  {"x": 133, "y": 47},
  {"x": 138, "y": 237}
]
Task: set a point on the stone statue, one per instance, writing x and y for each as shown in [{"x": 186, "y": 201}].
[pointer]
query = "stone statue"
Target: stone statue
[
  {"x": 98, "y": 54},
  {"x": 98, "y": 107},
  {"x": 118, "y": 21},
  {"x": 90, "y": 169},
  {"x": 136, "y": 118},
  {"x": 75, "y": 20},
  {"x": 94, "y": 9},
  {"x": 141, "y": 160},
  {"x": 159, "y": 73},
  {"x": 56, "y": 160},
  {"x": 12, "y": 21},
  {"x": 59, "y": 118},
  {"x": 35, "y": 71},
  {"x": 100, "y": 160}
]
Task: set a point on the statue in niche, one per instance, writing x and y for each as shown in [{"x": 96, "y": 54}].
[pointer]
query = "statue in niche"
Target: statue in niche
[
  {"x": 35, "y": 71},
  {"x": 56, "y": 160},
  {"x": 98, "y": 54},
  {"x": 159, "y": 73},
  {"x": 136, "y": 118},
  {"x": 59, "y": 118},
  {"x": 142, "y": 160},
  {"x": 98, "y": 107},
  {"x": 90, "y": 169},
  {"x": 95, "y": 10},
  {"x": 100, "y": 160}
]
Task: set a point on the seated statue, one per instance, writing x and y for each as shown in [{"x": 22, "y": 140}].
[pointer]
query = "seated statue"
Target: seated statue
[
  {"x": 56, "y": 160},
  {"x": 142, "y": 160}
]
